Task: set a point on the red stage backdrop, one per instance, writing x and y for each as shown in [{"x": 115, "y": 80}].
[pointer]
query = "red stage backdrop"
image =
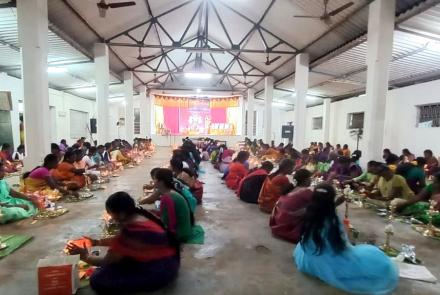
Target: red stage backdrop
[{"x": 196, "y": 116}]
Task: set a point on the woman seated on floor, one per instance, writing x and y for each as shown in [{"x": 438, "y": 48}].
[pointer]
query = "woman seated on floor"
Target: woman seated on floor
[
  {"x": 432, "y": 165},
  {"x": 14, "y": 205},
  {"x": 143, "y": 257},
  {"x": 66, "y": 173},
  {"x": 6, "y": 158},
  {"x": 178, "y": 186},
  {"x": 325, "y": 252},
  {"x": 116, "y": 155},
  {"x": 276, "y": 185},
  {"x": 237, "y": 170},
  {"x": 390, "y": 186},
  {"x": 414, "y": 174},
  {"x": 287, "y": 217},
  {"x": 224, "y": 158},
  {"x": 175, "y": 210},
  {"x": 186, "y": 176},
  {"x": 344, "y": 169},
  {"x": 40, "y": 178},
  {"x": 430, "y": 192},
  {"x": 250, "y": 186},
  {"x": 366, "y": 180}
]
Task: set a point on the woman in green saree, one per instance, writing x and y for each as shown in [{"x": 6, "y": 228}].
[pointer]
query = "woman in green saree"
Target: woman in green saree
[{"x": 14, "y": 205}]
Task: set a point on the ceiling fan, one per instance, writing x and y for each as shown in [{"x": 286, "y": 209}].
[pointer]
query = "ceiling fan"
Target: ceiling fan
[
  {"x": 326, "y": 16},
  {"x": 141, "y": 58},
  {"x": 155, "y": 82},
  {"x": 269, "y": 61},
  {"x": 103, "y": 6}
]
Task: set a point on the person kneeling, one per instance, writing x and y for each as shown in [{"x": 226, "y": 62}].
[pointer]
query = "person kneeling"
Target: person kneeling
[{"x": 144, "y": 256}]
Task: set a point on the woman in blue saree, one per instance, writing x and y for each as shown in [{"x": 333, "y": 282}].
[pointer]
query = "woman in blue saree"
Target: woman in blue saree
[{"x": 325, "y": 252}]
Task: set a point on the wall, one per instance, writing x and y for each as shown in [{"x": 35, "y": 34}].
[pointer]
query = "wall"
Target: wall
[
  {"x": 61, "y": 101},
  {"x": 401, "y": 129}
]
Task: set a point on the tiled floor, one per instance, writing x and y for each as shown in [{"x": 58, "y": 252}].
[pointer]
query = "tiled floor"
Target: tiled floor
[{"x": 239, "y": 255}]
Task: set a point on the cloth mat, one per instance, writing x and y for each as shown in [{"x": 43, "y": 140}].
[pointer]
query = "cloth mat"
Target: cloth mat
[
  {"x": 14, "y": 242},
  {"x": 198, "y": 236}
]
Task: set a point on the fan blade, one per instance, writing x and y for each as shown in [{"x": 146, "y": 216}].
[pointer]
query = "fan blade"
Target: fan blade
[
  {"x": 148, "y": 56},
  {"x": 306, "y": 16},
  {"x": 340, "y": 9},
  {"x": 274, "y": 59},
  {"x": 121, "y": 4}
]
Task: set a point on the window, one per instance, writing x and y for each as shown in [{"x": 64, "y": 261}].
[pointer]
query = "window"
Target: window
[
  {"x": 317, "y": 123},
  {"x": 355, "y": 120},
  {"x": 137, "y": 121},
  {"x": 429, "y": 115},
  {"x": 79, "y": 124}
]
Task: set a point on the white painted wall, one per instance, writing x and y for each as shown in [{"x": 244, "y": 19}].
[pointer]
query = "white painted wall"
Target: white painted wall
[
  {"x": 401, "y": 129},
  {"x": 61, "y": 101}
]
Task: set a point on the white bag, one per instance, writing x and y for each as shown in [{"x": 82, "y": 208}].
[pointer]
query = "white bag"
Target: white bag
[{"x": 58, "y": 275}]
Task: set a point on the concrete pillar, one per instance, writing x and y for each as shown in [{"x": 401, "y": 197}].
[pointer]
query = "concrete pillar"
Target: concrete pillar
[
  {"x": 250, "y": 111},
  {"x": 326, "y": 120},
  {"x": 301, "y": 87},
  {"x": 129, "y": 111},
  {"x": 102, "y": 78},
  {"x": 143, "y": 108},
  {"x": 268, "y": 98},
  {"x": 32, "y": 31},
  {"x": 379, "y": 53},
  {"x": 150, "y": 114}
]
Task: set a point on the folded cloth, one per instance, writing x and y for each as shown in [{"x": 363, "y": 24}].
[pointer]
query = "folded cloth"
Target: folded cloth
[{"x": 13, "y": 242}]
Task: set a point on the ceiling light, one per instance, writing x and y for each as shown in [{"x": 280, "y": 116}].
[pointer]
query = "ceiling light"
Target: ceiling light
[
  {"x": 198, "y": 90},
  {"x": 56, "y": 70},
  {"x": 202, "y": 76}
]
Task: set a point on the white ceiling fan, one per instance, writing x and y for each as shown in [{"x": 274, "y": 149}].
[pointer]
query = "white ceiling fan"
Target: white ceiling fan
[{"x": 326, "y": 16}]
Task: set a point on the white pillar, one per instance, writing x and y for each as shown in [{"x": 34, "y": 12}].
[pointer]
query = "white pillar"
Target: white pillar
[
  {"x": 379, "y": 53},
  {"x": 250, "y": 111},
  {"x": 129, "y": 111},
  {"x": 268, "y": 98},
  {"x": 326, "y": 120},
  {"x": 32, "y": 31},
  {"x": 102, "y": 78},
  {"x": 150, "y": 114},
  {"x": 301, "y": 87},
  {"x": 143, "y": 109}
]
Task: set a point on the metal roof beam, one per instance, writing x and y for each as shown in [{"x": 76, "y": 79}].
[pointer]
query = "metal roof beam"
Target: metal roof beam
[
  {"x": 213, "y": 50},
  {"x": 152, "y": 19},
  {"x": 258, "y": 24}
]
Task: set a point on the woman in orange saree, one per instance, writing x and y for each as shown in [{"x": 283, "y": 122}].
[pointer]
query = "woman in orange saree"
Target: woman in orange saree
[
  {"x": 66, "y": 173},
  {"x": 276, "y": 185},
  {"x": 237, "y": 170}
]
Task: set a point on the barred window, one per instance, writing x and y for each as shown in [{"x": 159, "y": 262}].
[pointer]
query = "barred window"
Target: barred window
[
  {"x": 254, "y": 124},
  {"x": 317, "y": 123},
  {"x": 355, "y": 120},
  {"x": 429, "y": 115}
]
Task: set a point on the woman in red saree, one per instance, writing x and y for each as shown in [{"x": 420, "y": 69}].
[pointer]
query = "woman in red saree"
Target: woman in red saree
[
  {"x": 276, "y": 185},
  {"x": 250, "y": 186},
  {"x": 287, "y": 217},
  {"x": 143, "y": 257},
  {"x": 66, "y": 173},
  {"x": 237, "y": 170}
]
